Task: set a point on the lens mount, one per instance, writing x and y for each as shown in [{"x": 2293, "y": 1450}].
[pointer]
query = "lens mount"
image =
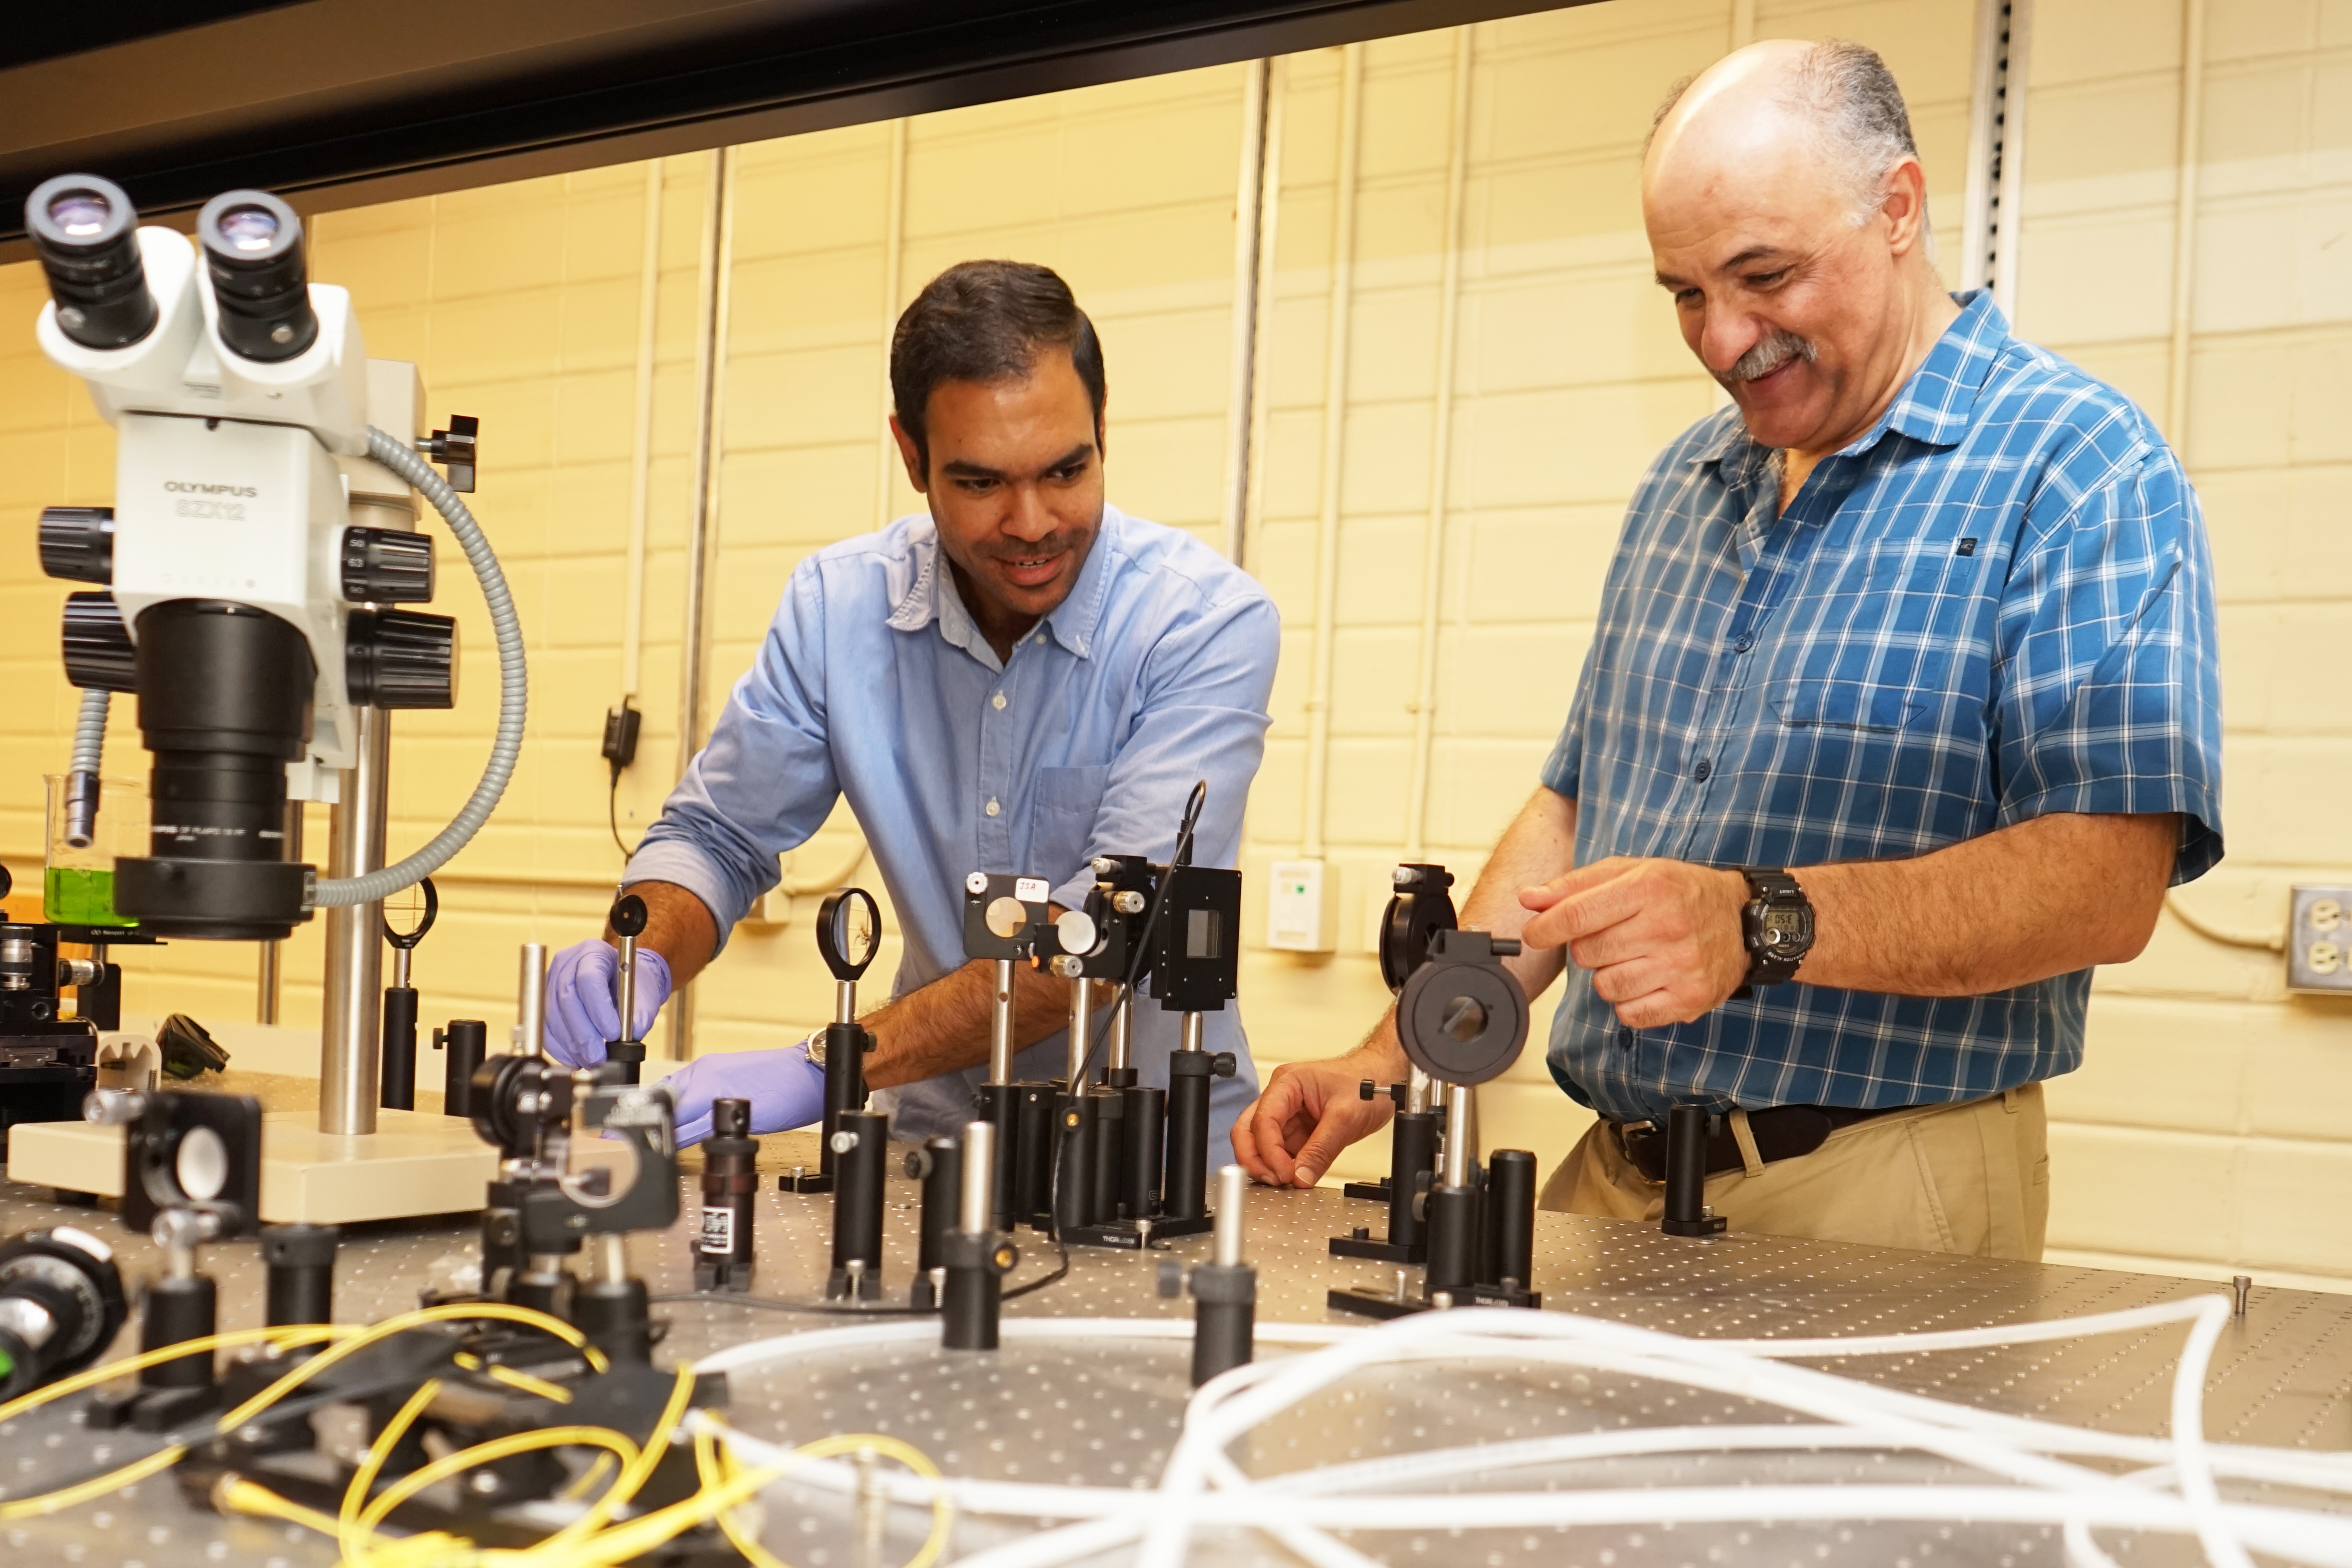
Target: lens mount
[
  {"x": 86, "y": 232},
  {"x": 253, "y": 255}
]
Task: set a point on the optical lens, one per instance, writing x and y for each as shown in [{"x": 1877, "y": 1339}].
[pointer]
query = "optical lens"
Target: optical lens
[
  {"x": 249, "y": 229},
  {"x": 80, "y": 214}
]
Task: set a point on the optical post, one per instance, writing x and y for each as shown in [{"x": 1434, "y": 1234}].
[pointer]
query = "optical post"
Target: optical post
[{"x": 1418, "y": 909}]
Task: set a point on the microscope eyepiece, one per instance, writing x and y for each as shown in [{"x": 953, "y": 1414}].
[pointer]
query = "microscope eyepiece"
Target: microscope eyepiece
[
  {"x": 253, "y": 255},
  {"x": 85, "y": 231}
]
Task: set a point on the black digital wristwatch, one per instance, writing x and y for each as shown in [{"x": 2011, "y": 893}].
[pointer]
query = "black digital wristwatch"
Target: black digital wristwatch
[{"x": 1777, "y": 925}]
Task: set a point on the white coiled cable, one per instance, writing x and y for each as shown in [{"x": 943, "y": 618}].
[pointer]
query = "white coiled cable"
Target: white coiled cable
[{"x": 332, "y": 892}]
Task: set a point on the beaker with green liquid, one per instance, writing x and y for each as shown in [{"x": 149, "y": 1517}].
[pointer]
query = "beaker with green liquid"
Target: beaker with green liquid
[{"x": 78, "y": 886}]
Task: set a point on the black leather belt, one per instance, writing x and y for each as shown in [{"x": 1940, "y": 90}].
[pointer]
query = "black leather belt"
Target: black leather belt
[{"x": 1781, "y": 1132}]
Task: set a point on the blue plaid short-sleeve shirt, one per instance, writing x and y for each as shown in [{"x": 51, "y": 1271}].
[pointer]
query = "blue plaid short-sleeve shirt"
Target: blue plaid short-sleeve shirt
[{"x": 1996, "y": 604}]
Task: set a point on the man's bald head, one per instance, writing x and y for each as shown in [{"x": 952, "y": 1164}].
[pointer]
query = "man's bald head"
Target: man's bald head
[
  {"x": 1788, "y": 216},
  {"x": 1838, "y": 98}
]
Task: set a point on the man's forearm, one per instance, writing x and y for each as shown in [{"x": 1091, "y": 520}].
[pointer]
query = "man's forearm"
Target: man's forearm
[
  {"x": 677, "y": 926},
  {"x": 943, "y": 1028},
  {"x": 2046, "y": 897},
  {"x": 1539, "y": 845}
]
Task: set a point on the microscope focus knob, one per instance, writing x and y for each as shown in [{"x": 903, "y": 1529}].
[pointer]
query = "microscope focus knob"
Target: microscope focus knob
[
  {"x": 381, "y": 566},
  {"x": 77, "y": 543},
  {"x": 98, "y": 655},
  {"x": 401, "y": 658}
]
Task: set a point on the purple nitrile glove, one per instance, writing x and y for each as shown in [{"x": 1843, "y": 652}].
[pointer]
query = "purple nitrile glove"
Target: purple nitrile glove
[
  {"x": 786, "y": 1090},
  {"x": 582, "y": 1014}
]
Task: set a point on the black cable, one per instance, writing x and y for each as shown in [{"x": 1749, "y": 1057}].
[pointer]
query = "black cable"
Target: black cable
[
  {"x": 1124, "y": 997},
  {"x": 612, "y": 814}
]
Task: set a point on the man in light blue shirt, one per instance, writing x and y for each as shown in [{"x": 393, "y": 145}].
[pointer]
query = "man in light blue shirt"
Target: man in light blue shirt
[{"x": 1021, "y": 681}]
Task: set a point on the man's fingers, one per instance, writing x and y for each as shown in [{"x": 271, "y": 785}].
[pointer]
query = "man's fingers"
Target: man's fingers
[
  {"x": 1544, "y": 895},
  {"x": 1621, "y": 982},
  {"x": 1256, "y": 1153}
]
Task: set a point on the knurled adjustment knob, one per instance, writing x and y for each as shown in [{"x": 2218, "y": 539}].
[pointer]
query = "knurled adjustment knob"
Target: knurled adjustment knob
[
  {"x": 401, "y": 658},
  {"x": 384, "y": 566},
  {"x": 1223, "y": 1064},
  {"x": 77, "y": 543},
  {"x": 98, "y": 655}
]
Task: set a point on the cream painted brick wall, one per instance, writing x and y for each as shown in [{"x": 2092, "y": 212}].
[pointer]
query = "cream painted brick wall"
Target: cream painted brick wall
[{"x": 2207, "y": 1119}]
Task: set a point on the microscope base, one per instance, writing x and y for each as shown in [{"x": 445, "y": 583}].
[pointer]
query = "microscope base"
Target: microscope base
[{"x": 414, "y": 1164}]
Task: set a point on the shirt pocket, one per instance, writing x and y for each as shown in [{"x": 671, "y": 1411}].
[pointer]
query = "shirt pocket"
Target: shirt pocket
[
  {"x": 1068, "y": 800},
  {"x": 1854, "y": 705}
]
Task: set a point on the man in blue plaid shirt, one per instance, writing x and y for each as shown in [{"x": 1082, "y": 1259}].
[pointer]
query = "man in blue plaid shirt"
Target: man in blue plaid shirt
[{"x": 1901, "y": 714}]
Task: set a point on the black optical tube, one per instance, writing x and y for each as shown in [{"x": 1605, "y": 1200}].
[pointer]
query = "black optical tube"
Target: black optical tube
[
  {"x": 173, "y": 1313},
  {"x": 846, "y": 1046},
  {"x": 399, "y": 1047},
  {"x": 1453, "y": 1266},
  {"x": 999, "y": 1105},
  {"x": 224, "y": 705},
  {"x": 301, "y": 1273},
  {"x": 616, "y": 1315},
  {"x": 1109, "y": 1134},
  {"x": 1187, "y": 1194},
  {"x": 975, "y": 1255},
  {"x": 85, "y": 231},
  {"x": 1073, "y": 1176},
  {"x": 1685, "y": 1207},
  {"x": 1225, "y": 1317},
  {"x": 1412, "y": 1157},
  {"x": 1510, "y": 1218},
  {"x": 724, "y": 1259},
  {"x": 1145, "y": 1151},
  {"x": 939, "y": 1165},
  {"x": 1037, "y": 1128},
  {"x": 863, "y": 1137},
  {"x": 466, "y": 1040}
]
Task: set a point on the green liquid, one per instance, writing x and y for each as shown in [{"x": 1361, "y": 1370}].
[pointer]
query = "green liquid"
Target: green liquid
[{"x": 78, "y": 896}]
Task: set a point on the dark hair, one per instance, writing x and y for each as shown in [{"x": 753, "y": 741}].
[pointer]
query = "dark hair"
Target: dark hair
[{"x": 986, "y": 320}]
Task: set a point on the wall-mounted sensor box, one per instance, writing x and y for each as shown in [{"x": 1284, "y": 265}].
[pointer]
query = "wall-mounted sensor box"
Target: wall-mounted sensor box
[
  {"x": 1302, "y": 907},
  {"x": 2319, "y": 941}
]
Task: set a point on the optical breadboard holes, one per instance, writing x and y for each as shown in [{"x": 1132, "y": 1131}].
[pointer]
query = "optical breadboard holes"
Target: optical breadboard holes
[{"x": 2319, "y": 940}]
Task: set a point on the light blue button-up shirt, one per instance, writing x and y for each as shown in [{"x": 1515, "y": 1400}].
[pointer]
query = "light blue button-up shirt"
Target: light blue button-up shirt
[{"x": 875, "y": 683}]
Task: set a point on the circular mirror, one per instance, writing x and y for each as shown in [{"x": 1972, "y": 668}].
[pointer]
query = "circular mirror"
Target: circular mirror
[
  {"x": 848, "y": 932},
  {"x": 200, "y": 1164}
]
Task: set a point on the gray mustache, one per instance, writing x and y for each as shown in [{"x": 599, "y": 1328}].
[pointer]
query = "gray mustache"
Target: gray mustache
[{"x": 1774, "y": 350}]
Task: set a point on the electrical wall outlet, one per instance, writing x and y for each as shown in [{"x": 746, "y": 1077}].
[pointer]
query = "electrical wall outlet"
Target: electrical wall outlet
[
  {"x": 2319, "y": 941},
  {"x": 1302, "y": 906}
]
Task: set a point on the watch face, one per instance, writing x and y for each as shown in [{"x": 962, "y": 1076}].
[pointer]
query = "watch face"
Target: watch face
[{"x": 1785, "y": 931}]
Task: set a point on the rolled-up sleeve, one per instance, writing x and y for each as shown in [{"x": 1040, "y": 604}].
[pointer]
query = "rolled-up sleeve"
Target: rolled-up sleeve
[
  {"x": 765, "y": 782},
  {"x": 1202, "y": 717},
  {"x": 2108, "y": 696}
]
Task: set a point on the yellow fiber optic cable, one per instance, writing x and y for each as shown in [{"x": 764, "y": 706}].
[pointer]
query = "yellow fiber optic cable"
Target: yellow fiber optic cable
[
  {"x": 378, "y": 1449},
  {"x": 455, "y": 1311},
  {"x": 497, "y": 1448}
]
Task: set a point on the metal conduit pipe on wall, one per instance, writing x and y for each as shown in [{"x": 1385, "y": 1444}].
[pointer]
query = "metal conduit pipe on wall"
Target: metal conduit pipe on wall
[
  {"x": 711, "y": 381},
  {"x": 1441, "y": 461},
  {"x": 1261, "y": 409},
  {"x": 1335, "y": 424},
  {"x": 1249, "y": 226}
]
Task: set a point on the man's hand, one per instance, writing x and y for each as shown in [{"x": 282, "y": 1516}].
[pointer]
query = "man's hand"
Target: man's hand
[
  {"x": 1661, "y": 937},
  {"x": 1306, "y": 1113}
]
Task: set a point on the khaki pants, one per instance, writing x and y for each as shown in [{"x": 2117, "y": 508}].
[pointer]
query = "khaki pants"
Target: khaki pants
[{"x": 1970, "y": 1178}]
